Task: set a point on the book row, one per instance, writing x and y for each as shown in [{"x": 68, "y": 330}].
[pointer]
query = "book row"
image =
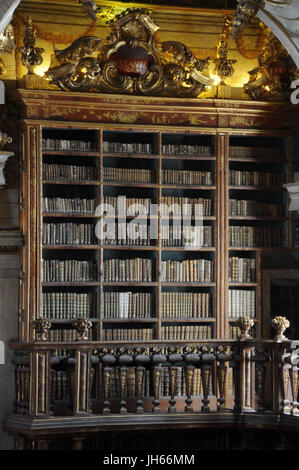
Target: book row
[
  {"x": 188, "y": 150},
  {"x": 263, "y": 152},
  {"x": 68, "y": 233},
  {"x": 256, "y": 178},
  {"x": 128, "y": 334},
  {"x": 234, "y": 332},
  {"x": 65, "y": 335},
  {"x": 186, "y": 332},
  {"x": 255, "y": 208},
  {"x": 69, "y": 205},
  {"x": 127, "y": 147},
  {"x": 186, "y": 304},
  {"x": 130, "y": 175},
  {"x": 131, "y": 234},
  {"x": 242, "y": 303},
  {"x": 246, "y": 236},
  {"x": 187, "y": 177},
  {"x": 67, "y": 305},
  {"x": 127, "y": 304},
  {"x": 67, "y": 144},
  {"x": 185, "y": 206},
  {"x": 130, "y": 206},
  {"x": 60, "y": 385},
  {"x": 124, "y": 270},
  {"x": 190, "y": 270},
  {"x": 68, "y": 172},
  {"x": 189, "y": 236},
  {"x": 169, "y": 206},
  {"x": 241, "y": 269},
  {"x": 56, "y": 270}
]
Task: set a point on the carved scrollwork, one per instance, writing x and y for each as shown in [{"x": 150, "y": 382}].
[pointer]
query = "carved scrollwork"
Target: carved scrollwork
[
  {"x": 246, "y": 11},
  {"x": 129, "y": 61}
]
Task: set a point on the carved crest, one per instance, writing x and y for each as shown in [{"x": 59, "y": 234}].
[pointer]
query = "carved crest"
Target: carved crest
[{"x": 130, "y": 60}]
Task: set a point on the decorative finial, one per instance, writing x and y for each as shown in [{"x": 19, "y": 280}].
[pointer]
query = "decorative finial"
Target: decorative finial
[
  {"x": 280, "y": 324},
  {"x": 31, "y": 55},
  {"x": 41, "y": 326},
  {"x": 245, "y": 323},
  {"x": 82, "y": 325},
  {"x": 4, "y": 139},
  {"x": 224, "y": 66}
]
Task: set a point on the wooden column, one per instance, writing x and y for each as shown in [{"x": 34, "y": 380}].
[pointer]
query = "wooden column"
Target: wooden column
[
  {"x": 82, "y": 386},
  {"x": 40, "y": 383}
]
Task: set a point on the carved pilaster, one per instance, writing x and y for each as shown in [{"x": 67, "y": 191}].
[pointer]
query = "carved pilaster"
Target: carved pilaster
[
  {"x": 260, "y": 358},
  {"x": 83, "y": 382},
  {"x": 39, "y": 384}
]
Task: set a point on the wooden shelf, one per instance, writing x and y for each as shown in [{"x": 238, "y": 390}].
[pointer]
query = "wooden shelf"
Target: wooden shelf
[
  {"x": 71, "y": 284},
  {"x": 131, "y": 155},
  {"x": 71, "y": 153},
  {"x": 129, "y": 283},
  {"x": 72, "y": 182},
  {"x": 256, "y": 188},
  {"x": 188, "y": 320},
  {"x": 258, "y": 218}
]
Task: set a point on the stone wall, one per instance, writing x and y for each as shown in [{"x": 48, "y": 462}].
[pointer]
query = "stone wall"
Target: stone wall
[
  {"x": 10, "y": 241},
  {"x": 9, "y": 274}
]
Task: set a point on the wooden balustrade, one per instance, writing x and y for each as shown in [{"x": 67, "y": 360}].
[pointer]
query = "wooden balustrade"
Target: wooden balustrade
[{"x": 247, "y": 375}]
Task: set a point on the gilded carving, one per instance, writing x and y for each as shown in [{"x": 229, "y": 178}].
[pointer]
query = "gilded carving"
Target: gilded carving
[
  {"x": 274, "y": 74},
  {"x": 246, "y": 11},
  {"x": 129, "y": 61},
  {"x": 31, "y": 55}
]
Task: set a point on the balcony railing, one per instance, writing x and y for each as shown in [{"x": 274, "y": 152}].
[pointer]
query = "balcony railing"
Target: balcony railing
[{"x": 210, "y": 377}]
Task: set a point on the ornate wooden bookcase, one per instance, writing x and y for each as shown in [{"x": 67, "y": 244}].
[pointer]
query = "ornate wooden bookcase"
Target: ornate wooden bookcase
[
  {"x": 234, "y": 142},
  {"x": 110, "y": 146}
]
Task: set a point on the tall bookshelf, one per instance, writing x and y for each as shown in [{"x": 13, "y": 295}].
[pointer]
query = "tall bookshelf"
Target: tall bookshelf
[
  {"x": 258, "y": 219},
  {"x": 164, "y": 287},
  {"x": 158, "y": 285}
]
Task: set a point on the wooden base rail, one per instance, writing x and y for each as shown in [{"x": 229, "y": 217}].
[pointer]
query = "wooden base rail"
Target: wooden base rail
[{"x": 212, "y": 376}]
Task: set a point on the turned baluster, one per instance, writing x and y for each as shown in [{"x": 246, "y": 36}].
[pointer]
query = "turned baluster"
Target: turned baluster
[
  {"x": 206, "y": 363},
  {"x": 125, "y": 359},
  {"x": 158, "y": 358},
  {"x": 174, "y": 358},
  {"x": 260, "y": 358},
  {"x": 108, "y": 360},
  {"x": 223, "y": 355},
  {"x": 142, "y": 359},
  {"x": 236, "y": 365},
  {"x": 191, "y": 359},
  {"x": 292, "y": 360}
]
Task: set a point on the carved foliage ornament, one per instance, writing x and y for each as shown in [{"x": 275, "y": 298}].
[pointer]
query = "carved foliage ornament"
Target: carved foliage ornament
[
  {"x": 130, "y": 60},
  {"x": 246, "y": 11},
  {"x": 274, "y": 74}
]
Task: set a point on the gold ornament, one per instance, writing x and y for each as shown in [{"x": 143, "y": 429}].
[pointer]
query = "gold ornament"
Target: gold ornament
[
  {"x": 129, "y": 61},
  {"x": 31, "y": 55}
]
